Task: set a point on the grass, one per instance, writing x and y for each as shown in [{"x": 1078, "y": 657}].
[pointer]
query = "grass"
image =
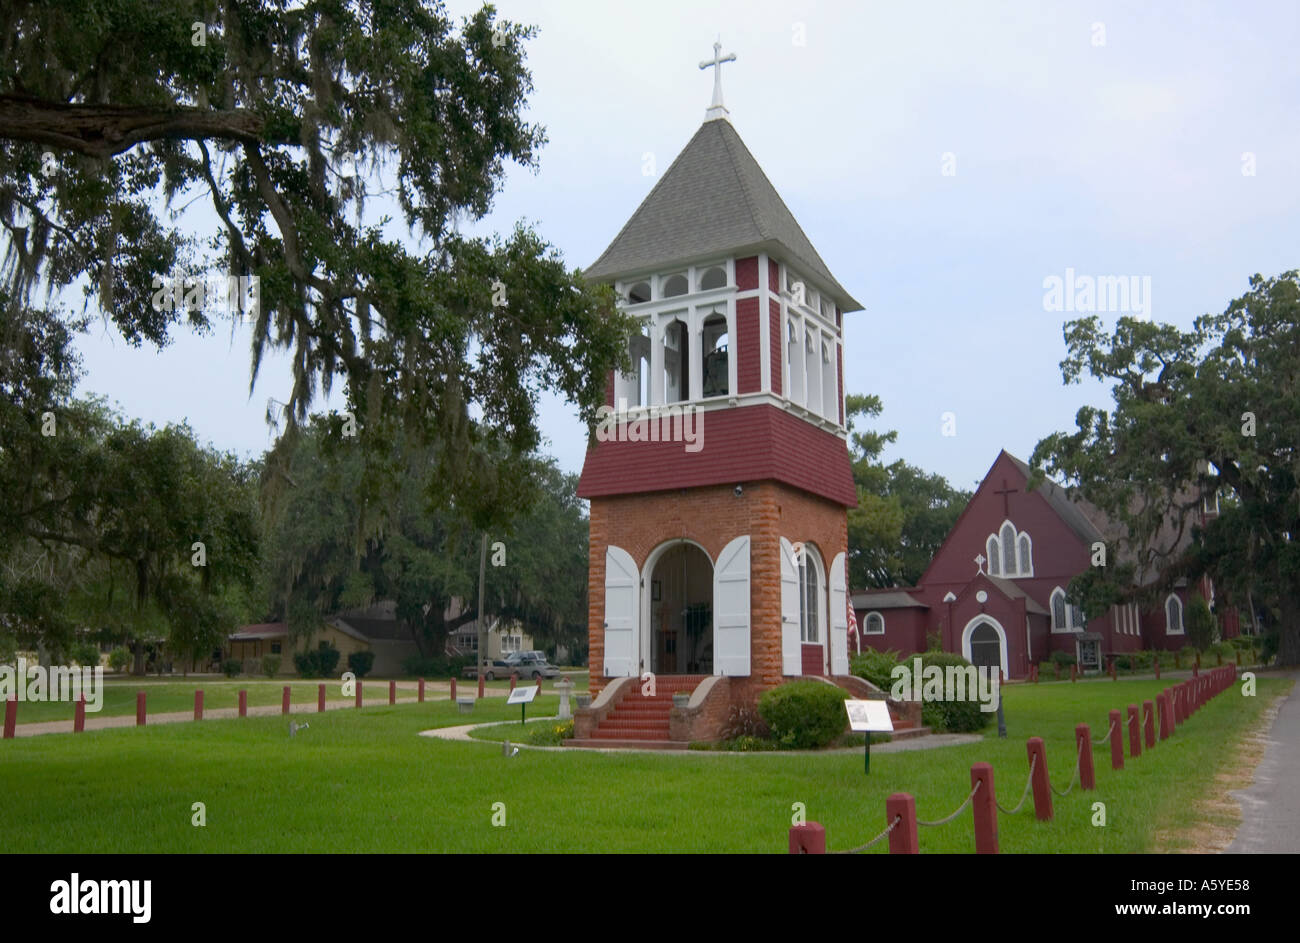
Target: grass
[
  {"x": 168, "y": 696},
  {"x": 364, "y": 781}
]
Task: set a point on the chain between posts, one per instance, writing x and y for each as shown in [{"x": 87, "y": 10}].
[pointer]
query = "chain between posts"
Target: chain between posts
[
  {"x": 1024, "y": 795},
  {"x": 960, "y": 809},
  {"x": 1108, "y": 733},
  {"x": 861, "y": 848},
  {"x": 1078, "y": 761}
]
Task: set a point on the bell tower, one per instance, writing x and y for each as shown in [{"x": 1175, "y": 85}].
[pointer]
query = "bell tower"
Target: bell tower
[{"x": 720, "y": 482}]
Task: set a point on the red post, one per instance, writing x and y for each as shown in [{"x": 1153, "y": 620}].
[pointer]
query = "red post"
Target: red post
[
  {"x": 139, "y": 708},
  {"x": 421, "y": 690},
  {"x": 480, "y": 685},
  {"x": 1083, "y": 744},
  {"x": 1156, "y": 663},
  {"x": 902, "y": 840},
  {"x": 539, "y": 687},
  {"x": 807, "y": 839},
  {"x": 1074, "y": 672},
  {"x": 79, "y": 715},
  {"x": 984, "y": 807},
  {"x": 1219, "y": 656},
  {"x": 284, "y": 700},
  {"x": 1113, "y": 676},
  {"x": 1174, "y": 714},
  {"x": 358, "y": 692},
  {"x": 1116, "y": 740},
  {"x": 1034, "y": 672},
  {"x": 1042, "y": 787},
  {"x": 320, "y": 699},
  {"x": 198, "y": 704},
  {"x": 1166, "y": 718},
  {"x": 243, "y": 703},
  {"x": 1134, "y": 736},
  {"x": 1196, "y": 668},
  {"x": 1058, "y": 670},
  {"x": 11, "y": 716},
  {"x": 1149, "y": 728},
  {"x": 392, "y": 692},
  {"x": 514, "y": 679},
  {"x": 453, "y": 689}
]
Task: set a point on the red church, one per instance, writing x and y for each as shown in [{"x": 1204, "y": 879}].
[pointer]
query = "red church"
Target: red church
[
  {"x": 719, "y": 496},
  {"x": 995, "y": 590}
]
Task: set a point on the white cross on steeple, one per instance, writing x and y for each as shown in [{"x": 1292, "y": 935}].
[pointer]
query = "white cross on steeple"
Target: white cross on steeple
[{"x": 717, "y": 109}]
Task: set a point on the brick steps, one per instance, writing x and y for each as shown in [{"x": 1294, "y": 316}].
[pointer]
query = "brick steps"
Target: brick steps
[{"x": 611, "y": 743}]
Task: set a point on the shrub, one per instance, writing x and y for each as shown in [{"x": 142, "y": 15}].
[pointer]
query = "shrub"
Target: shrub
[
  {"x": 1064, "y": 659},
  {"x": 252, "y": 666},
  {"x": 119, "y": 658},
  {"x": 549, "y": 735},
  {"x": 951, "y": 716},
  {"x": 1201, "y": 624},
  {"x": 232, "y": 667},
  {"x": 745, "y": 722},
  {"x": 749, "y": 744},
  {"x": 875, "y": 666},
  {"x": 804, "y": 715},
  {"x": 270, "y": 665},
  {"x": 86, "y": 654},
  {"x": 420, "y": 666},
  {"x": 319, "y": 663},
  {"x": 360, "y": 663}
]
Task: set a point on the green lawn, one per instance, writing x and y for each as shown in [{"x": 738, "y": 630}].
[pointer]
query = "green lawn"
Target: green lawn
[{"x": 364, "y": 781}]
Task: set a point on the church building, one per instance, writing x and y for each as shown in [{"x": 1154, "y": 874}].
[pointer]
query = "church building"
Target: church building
[
  {"x": 719, "y": 504},
  {"x": 995, "y": 590}
]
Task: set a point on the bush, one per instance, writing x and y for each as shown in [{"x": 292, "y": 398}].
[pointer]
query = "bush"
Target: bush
[
  {"x": 1064, "y": 659},
  {"x": 318, "y": 664},
  {"x": 360, "y": 663},
  {"x": 252, "y": 666},
  {"x": 270, "y": 665},
  {"x": 951, "y": 716},
  {"x": 1201, "y": 625},
  {"x": 804, "y": 715},
  {"x": 232, "y": 667},
  {"x": 549, "y": 735},
  {"x": 876, "y": 667},
  {"x": 119, "y": 658},
  {"x": 745, "y": 723},
  {"x": 420, "y": 666},
  {"x": 86, "y": 654},
  {"x": 749, "y": 745}
]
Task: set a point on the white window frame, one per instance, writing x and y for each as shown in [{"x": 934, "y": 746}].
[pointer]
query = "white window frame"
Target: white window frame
[
  {"x": 866, "y": 621},
  {"x": 1070, "y": 626},
  {"x": 1182, "y": 623},
  {"x": 993, "y": 550}
]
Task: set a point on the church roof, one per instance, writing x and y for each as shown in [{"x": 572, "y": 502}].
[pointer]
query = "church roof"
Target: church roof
[
  {"x": 714, "y": 199},
  {"x": 1012, "y": 591},
  {"x": 1080, "y": 515},
  {"x": 886, "y": 599}
]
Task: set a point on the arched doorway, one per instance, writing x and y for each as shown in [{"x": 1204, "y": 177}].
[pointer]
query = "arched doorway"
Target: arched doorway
[
  {"x": 680, "y": 603},
  {"x": 984, "y": 643}
]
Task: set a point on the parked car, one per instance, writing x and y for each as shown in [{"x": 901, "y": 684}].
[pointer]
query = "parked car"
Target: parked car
[
  {"x": 531, "y": 665},
  {"x": 491, "y": 670}
]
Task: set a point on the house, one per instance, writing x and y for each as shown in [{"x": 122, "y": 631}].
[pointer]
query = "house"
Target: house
[
  {"x": 502, "y": 639},
  {"x": 995, "y": 590},
  {"x": 374, "y": 629},
  {"x": 720, "y": 483}
]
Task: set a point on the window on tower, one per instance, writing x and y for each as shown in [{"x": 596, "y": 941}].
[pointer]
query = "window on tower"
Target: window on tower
[
  {"x": 638, "y": 293},
  {"x": 676, "y": 285},
  {"x": 715, "y": 277},
  {"x": 676, "y": 359},
  {"x": 794, "y": 359},
  {"x": 830, "y": 397},
  {"x": 812, "y": 365},
  {"x": 714, "y": 342},
  {"x": 809, "y": 624}
]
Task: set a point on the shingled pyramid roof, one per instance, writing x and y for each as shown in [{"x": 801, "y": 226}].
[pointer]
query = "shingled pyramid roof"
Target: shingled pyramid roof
[{"x": 714, "y": 200}]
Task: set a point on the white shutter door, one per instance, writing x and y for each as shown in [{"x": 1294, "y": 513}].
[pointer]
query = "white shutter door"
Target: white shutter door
[
  {"x": 622, "y": 608},
  {"x": 731, "y": 610},
  {"x": 839, "y": 618},
  {"x": 791, "y": 652}
]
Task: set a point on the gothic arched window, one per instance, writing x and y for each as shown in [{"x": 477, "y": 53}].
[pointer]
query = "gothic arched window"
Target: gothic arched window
[
  {"x": 1173, "y": 615},
  {"x": 715, "y": 277}
]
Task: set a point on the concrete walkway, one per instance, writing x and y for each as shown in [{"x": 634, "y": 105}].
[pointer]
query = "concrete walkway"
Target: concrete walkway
[
  {"x": 932, "y": 742},
  {"x": 1270, "y": 807},
  {"x": 94, "y": 722}
]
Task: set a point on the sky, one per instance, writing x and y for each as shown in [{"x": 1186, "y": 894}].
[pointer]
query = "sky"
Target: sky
[{"x": 946, "y": 159}]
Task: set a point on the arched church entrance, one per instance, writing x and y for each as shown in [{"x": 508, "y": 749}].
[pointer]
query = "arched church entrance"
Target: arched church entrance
[
  {"x": 985, "y": 646},
  {"x": 680, "y": 600}
]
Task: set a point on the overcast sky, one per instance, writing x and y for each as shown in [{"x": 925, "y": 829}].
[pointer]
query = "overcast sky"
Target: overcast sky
[{"x": 944, "y": 158}]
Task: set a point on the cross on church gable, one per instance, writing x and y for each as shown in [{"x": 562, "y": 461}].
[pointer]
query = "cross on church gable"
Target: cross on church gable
[{"x": 1006, "y": 501}]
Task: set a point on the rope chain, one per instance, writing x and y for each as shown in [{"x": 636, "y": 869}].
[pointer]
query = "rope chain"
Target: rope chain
[
  {"x": 1108, "y": 733},
  {"x": 1078, "y": 762},
  {"x": 1024, "y": 795},
  {"x": 960, "y": 809},
  {"x": 861, "y": 848}
]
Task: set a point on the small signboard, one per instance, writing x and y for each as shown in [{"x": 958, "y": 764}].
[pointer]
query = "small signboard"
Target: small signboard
[
  {"x": 526, "y": 695},
  {"x": 869, "y": 716}
]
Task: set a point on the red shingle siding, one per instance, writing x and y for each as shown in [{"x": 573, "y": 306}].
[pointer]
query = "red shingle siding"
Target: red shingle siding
[
  {"x": 773, "y": 277},
  {"x": 778, "y": 343},
  {"x": 737, "y": 445},
  {"x": 749, "y": 374},
  {"x": 747, "y": 274},
  {"x": 839, "y": 372}
]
